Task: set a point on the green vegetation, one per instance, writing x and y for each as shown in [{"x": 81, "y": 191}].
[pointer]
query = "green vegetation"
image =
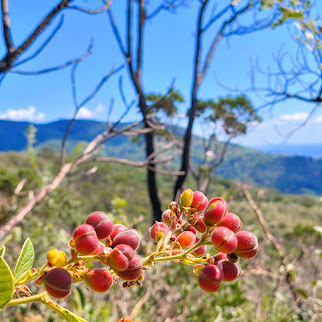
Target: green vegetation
[
  {"x": 169, "y": 290},
  {"x": 297, "y": 175}
]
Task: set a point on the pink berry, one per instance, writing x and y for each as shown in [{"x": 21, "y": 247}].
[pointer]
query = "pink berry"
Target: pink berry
[
  {"x": 215, "y": 211},
  {"x": 117, "y": 260},
  {"x": 231, "y": 221},
  {"x": 117, "y": 229},
  {"x": 199, "y": 201},
  {"x": 58, "y": 282},
  {"x": 186, "y": 239},
  {"x": 224, "y": 240},
  {"x": 129, "y": 237},
  {"x": 101, "y": 223},
  {"x": 231, "y": 271},
  {"x": 192, "y": 229},
  {"x": 159, "y": 230},
  {"x": 167, "y": 216},
  {"x": 247, "y": 244},
  {"x": 210, "y": 278},
  {"x": 200, "y": 250},
  {"x": 99, "y": 280},
  {"x": 200, "y": 225},
  {"x": 134, "y": 269},
  {"x": 85, "y": 239}
]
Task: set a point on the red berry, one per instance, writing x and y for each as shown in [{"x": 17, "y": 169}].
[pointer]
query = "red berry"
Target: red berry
[
  {"x": 99, "y": 250},
  {"x": 186, "y": 239},
  {"x": 199, "y": 201},
  {"x": 101, "y": 223},
  {"x": 218, "y": 257},
  {"x": 117, "y": 260},
  {"x": 224, "y": 240},
  {"x": 247, "y": 246},
  {"x": 58, "y": 282},
  {"x": 85, "y": 239},
  {"x": 127, "y": 250},
  {"x": 200, "y": 225},
  {"x": 215, "y": 211},
  {"x": 230, "y": 270},
  {"x": 129, "y": 237},
  {"x": 134, "y": 269},
  {"x": 99, "y": 280},
  {"x": 200, "y": 250},
  {"x": 159, "y": 230},
  {"x": 231, "y": 221},
  {"x": 192, "y": 229},
  {"x": 210, "y": 278},
  {"x": 117, "y": 229},
  {"x": 167, "y": 216}
]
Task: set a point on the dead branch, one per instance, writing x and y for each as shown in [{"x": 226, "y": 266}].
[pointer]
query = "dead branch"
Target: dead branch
[
  {"x": 54, "y": 68},
  {"x": 78, "y": 106},
  {"x": 102, "y": 9},
  {"x": 14, "y": 53},
  {"x": 272, "y": 240}
]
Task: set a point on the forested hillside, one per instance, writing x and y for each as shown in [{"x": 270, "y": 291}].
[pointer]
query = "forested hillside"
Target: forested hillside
[{"x": 289, "y": 174}]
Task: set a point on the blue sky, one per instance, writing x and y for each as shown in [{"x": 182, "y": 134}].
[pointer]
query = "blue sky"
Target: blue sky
[{"x": 168, "y": 55}]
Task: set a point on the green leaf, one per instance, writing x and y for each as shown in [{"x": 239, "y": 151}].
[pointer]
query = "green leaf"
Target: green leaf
[
  {"x": 70, "y": 316},
  {"x": 2, "y": 250},
  {"x": 6, "y": 283},
  {"x": 302, "y": 292},
  {"x": 25, "y": 260}
]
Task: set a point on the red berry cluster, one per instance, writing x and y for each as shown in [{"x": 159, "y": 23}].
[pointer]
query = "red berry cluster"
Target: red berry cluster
[
  {"x": 218, "y": 228},
  {"x": 114, "y": 245}
]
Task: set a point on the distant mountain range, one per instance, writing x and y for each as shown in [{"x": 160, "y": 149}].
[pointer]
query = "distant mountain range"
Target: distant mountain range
[
  {"x": 306, "y": 150},
  {"x": 289, "y": 174}
]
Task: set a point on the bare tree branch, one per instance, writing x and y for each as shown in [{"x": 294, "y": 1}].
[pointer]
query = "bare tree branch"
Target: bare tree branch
[
  {"x": 6, "y": 25},
  {"x": 272, "y": 240},
  {"x": 81, "y": 104},
  {"x": 55, "y": 68},
  {"x": 10, "y": 57},
  {"x": 43, "y": 45},
  {"x": 102, "y": 9}
]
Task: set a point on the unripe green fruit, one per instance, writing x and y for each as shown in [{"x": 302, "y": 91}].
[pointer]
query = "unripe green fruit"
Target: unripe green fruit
[
  {"x": 58, "y": 282},
  {"x": 186, "y": 198},
  {"x": 99, "y": 280}
]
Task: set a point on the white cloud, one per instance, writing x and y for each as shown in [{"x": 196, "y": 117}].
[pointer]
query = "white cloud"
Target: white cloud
[
  {"x": 318, "y": 119},
  {"x": 85, "y": 113},
  {"x": 294, "y": 117},
  {"x": 28, "y": 114}
]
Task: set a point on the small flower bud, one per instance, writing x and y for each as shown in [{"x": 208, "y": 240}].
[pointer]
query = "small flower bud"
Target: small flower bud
[{"x": 186, "y": 198}]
